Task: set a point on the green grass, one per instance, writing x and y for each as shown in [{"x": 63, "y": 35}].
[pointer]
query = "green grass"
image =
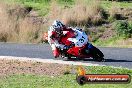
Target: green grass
[
  {"x": 63, "y": 81},
  {"x": 43, "y": 5},
  {"x": 106, "y": 42},
  {"x": 109, "y": 42},
  {"x": 107, "y": 70},
  {"x": 115, "y": 41},
  {"x": 42, "y": 8},
  {"x": 109, "y": 4}
]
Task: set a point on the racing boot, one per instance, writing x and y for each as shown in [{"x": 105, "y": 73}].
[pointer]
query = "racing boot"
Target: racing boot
[{"x": 56, "y": 53}]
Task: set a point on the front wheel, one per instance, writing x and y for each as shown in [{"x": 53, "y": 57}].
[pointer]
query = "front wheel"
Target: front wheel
[
  {"x": 97, "y": 54},
  {"x": 99, "y": 59}
]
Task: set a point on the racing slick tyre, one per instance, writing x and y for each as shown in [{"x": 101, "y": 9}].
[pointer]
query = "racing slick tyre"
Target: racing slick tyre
[
  {"x": 65, "y": 58},
  {"x": 99, "y": 59},
  {"x": 97, "y": 54}
]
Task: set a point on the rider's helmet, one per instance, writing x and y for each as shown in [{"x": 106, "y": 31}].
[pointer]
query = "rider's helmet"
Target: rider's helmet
[{"x": 58, "y": 26}]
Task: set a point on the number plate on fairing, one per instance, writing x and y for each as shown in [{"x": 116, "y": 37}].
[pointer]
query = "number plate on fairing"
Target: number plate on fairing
[{"x": 80, "y": 39}]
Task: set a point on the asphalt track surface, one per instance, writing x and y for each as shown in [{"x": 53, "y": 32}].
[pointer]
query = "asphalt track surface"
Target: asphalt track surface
[{"x": 117, "y": 57}]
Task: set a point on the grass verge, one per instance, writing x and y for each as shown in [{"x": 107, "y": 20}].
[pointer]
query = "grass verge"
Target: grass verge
[
  {"x": 115, "y": 42},
  {"x": 108, "y": 4},
  {"x": 66, "y": 81},
  {"x": 19, "y": 24}
]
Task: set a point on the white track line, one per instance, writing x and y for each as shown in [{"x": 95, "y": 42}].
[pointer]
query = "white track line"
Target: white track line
[{"x": 48, "y": 61}]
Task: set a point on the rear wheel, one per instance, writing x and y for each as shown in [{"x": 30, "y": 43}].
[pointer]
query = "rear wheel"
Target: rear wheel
[{"x": 66, "y": 57}]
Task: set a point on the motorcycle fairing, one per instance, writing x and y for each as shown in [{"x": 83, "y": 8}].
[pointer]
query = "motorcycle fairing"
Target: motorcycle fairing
[
  {"x": 89, "y": 46},
  {"x": 67, "y": 35},
  {"x": 80, "y": 39}
]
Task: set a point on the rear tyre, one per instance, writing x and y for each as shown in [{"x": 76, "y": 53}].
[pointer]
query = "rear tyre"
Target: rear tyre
[{"x": 66, "y": 57}]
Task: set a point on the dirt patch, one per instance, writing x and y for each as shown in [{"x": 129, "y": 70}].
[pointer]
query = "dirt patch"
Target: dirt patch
[{"x": 10, "y": 67}]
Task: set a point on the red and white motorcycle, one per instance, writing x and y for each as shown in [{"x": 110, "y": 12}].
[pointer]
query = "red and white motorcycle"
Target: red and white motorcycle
[{"x": 79, "y": 47}]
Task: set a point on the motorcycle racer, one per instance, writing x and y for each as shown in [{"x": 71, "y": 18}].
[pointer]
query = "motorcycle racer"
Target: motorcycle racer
[{"x": 55, "y": 33}]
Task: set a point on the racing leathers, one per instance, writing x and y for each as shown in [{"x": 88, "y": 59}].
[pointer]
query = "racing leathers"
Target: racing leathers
[{"x": 53, "y": 39}]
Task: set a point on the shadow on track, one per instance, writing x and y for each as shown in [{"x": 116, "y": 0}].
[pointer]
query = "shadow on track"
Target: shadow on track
[
  {"x": 113, "y": 60},
  {"x": 106, "y": 60}
]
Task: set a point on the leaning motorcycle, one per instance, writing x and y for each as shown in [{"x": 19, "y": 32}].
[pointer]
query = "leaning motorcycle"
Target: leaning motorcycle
[{"x": 78, "y": 46}]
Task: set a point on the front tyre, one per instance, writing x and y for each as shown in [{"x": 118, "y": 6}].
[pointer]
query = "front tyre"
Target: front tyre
[
  {"x": 99, "y": 59},
  {"x": 97, "y": 54}
]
